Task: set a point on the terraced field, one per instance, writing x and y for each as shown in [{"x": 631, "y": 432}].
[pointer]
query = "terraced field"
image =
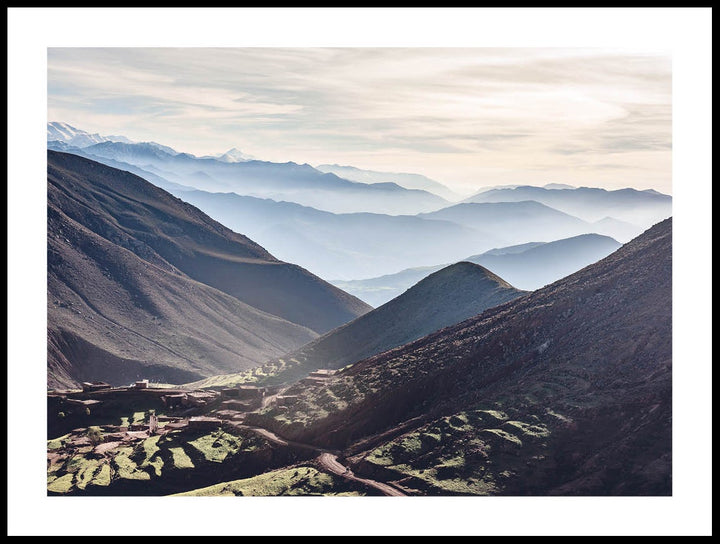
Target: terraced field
[{"x": 156, "y": 465}]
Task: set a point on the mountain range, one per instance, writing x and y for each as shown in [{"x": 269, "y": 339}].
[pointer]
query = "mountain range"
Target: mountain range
[
  {"x": 290, "y": 181},
  {"x": 342, "y": 245},
  {"x": 639, "y": 208},
  {"x": 349, "y": 246},
  {"x": 407, "y": 180},
  {"x": 349, "y": 230},
  {"x": 528, "y": 266},
  {"x": 141, "y": 284},
  {"x": 518, "y": 222}
]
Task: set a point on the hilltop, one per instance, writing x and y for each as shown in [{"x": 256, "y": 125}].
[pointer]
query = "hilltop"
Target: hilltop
[{"x": 444, "y": 298}]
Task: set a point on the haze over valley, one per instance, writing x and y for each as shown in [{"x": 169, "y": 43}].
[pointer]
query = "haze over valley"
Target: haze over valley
[{"x": 379, "y": 228}]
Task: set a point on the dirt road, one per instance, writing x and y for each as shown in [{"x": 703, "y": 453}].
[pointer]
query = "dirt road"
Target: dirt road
[{"x": 329, "y": 462}]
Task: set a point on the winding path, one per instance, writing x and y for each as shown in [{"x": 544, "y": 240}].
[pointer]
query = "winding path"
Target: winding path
[{"x": 328, "y": 461}]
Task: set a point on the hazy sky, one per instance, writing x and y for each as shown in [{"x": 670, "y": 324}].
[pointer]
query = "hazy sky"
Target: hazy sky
[{"x": 465, "y": 117}]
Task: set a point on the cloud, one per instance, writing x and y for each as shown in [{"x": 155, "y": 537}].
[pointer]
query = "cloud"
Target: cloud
[{"x": 528, "y": 109}]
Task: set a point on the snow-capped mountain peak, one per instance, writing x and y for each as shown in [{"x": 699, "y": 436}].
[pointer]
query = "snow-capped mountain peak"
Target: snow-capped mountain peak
[
  {"x": 234, "y": 155},
  {"x": 62, "y": 132},
  {"x": 71, "y": 135}
]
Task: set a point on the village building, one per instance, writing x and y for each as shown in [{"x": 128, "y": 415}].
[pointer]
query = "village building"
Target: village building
[
  {"x": 175, "y": 425},
  {"x": 250, "y": 392},
  {"x": 94, "y": 386},
  {"x": 229, "y": 392},
  {"x": 204, "y": 423},
  {"x": 174, "y": 400},
  {"x": 286, "y": 400},
  {"x": 200, "y": 398},
  {"x": 86, "y": 403}
]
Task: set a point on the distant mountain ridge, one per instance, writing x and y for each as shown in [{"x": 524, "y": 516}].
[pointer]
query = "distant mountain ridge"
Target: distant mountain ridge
[
  {"x": 69, "y": 136},
  {"x": 407, "y": 180},
  {"x": 234, "y": 155},
  {"x": 299, "y": 183},
  {"x": 642, "y": 208},
  {"x": 347, "y": 230},
  {"x": 516, "y": 222},
  {"x": 528, "y": 266},
  {"x": 341, "y": 245},
  {"x": 344, "y": 247}
]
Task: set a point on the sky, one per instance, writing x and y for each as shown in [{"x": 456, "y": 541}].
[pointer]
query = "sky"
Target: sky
[{"x": 466, "y": 117}]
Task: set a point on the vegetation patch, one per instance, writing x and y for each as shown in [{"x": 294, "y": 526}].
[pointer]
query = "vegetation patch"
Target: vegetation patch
[
  {"x": 85, "y": 475},
  {"x": 151, "y": 449},
  {"x": 505, "y": 436},
  {"x": 294, "y": 481},
  {"x": 215, "y": 447},
  {"x": 180, "y": 458},
  {"x": 527, "y": 429},
  {"x": 102, "y": 477},
  {"x": 57, "y": 443},
  {"x": 461, "y": 454},
  {"x": 126, "y": 468},
  {"x": 495, "y": 415},
  {"x": 63, "y": 484}
]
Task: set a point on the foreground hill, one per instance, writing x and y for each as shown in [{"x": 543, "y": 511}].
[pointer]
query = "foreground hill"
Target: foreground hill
[
  {"x": 527, "y": 266},
  {"x": 566, "y": 390},
  {"x": 139, "y": 279},
  {"x": 444, "y": 298}
]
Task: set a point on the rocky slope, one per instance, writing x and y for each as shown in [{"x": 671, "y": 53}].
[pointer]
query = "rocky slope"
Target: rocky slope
[
  {"x": 141, "y": 284},
  {"x": 566, "y": 390}
]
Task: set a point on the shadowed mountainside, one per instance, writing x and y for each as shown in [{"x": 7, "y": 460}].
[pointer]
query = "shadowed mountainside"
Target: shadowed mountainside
[
  {"x": 121, "y": 206},
  {"x": 141, "y": 283},
  {"x": 566, "y": 390},
  {"x": 444, "y": 298}
]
